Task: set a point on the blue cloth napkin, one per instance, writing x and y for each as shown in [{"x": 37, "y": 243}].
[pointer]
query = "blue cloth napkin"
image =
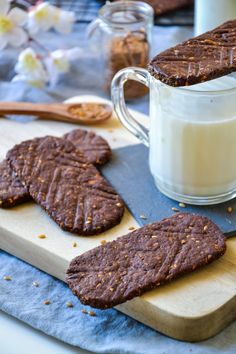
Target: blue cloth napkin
[{"x": 108, "y": 332}]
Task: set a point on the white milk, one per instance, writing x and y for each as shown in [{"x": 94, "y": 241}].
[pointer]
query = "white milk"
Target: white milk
[
  {"x": 212, "y": 13},
  {"x": 193, "y": 138}
]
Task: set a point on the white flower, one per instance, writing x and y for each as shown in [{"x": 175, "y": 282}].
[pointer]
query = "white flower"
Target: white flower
[
  {"x": 63, "y": 20},
  {"x": 30, "y": 69},
  {"x": 59, "y": 63},
  {"x": 45, "y": 16},
  {"x": 11, "y": 23},
  {"x": 40, "y": 18},
  {"x": 35, "y": 83}
]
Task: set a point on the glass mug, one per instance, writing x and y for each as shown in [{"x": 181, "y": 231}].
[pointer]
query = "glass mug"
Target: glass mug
[{"x": 192, "y": 136}]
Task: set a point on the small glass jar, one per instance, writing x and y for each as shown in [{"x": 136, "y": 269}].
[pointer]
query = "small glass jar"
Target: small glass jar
[{"x": 122, "y": 35}]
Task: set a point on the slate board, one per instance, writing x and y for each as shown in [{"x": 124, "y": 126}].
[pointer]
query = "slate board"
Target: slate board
[{"x": 129, "y": 173}]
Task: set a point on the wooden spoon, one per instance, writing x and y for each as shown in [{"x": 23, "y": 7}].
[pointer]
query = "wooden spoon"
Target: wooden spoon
[{"x": 80, "y": 113}]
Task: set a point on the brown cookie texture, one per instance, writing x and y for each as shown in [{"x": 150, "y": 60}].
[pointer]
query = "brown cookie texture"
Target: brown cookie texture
[
  {"x": 71, "y": 190},
  {"x": 12, "y": 192},
  {"x": 96, "y": 149},
  {"x": 163, "y": 6},
  {"x": 144, "y": 259},
  {"x": 203, "y": 58}
]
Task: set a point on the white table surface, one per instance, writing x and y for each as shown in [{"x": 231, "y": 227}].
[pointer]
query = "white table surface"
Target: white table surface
[{"x": 18, "y": 338}]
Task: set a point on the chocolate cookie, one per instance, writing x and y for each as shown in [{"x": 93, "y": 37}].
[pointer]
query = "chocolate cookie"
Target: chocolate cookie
[
  {"x": 71, "y": 190},
  {"x": 12, "y": 192},
  {"x": 203, "y": 58},
  {"x": 95, "y": 148},
  {"x": 163, "y": 6},
  {"x": 144, "y": 259}
]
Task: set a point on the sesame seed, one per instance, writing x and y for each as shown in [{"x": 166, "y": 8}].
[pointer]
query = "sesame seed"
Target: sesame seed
[
  {"x": 205, "y": 228},
  {"x": 183, "y": 241},
  {"x": 92, "y": 313},
  {"x": 42, "y": 236},
  {"x": 103, "y": 242},
  {"x": 111, "y": 289},
  {"x": 36, "y": 284},
  {"x": 69, "y": 304},
  {"x": 154, "y": 236},
  {"x": 175, "y": 209},
  {"x": 143, "y": 217},
  {"x": 7, "y": 277},
  {"x": 75, "y": 244},
  {"x": 47, "y": 302},
  {"x": 119, "y": 205},
  {"x": 229, "y": 209},
  {"x": 131, "y": 228},
  {"x": 182, "y": 205},
  {"x": 84, "y": 311}
]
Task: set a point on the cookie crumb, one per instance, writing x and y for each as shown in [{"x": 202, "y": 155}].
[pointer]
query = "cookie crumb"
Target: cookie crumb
[
  {"x": 42, "y": 236},
  {"x": 7, "y": 277},
  {"x": 175, "y": 209},
  {"x": 103, "y": 242},
  {"x": 69, "y": 304},
  {"x": 36, "y": 284},
  {"x": 75, "y": 244},
  {"x": 143, "y": 217},
  {"x": 47, "y": 302},
  {"x": 92, "y": 313}
]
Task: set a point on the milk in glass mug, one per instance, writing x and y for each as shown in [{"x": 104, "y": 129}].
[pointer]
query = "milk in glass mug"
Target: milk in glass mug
[{"x": 192, "y": 136}]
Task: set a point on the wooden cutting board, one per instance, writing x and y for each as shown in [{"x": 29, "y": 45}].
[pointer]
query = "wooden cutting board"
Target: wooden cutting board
[{"x": 192, "y": 308}]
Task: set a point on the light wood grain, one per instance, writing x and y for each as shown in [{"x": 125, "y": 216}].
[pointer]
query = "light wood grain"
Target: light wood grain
[{"x": 192, "y": 308}]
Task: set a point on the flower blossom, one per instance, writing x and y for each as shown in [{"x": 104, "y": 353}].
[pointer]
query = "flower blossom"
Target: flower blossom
[
  {"x": 29, "y": 68},
  {"x": 58, "y": 62},
  {"x": 11, "y": 23},
  {"x": 44, "y": 17}
]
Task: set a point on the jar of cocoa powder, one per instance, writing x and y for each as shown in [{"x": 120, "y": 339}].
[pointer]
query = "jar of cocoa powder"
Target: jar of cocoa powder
[{"x": 122, "y": 38}]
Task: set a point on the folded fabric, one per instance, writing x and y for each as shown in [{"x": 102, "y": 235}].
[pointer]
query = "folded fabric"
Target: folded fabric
[{"x": 107, "y": 332}]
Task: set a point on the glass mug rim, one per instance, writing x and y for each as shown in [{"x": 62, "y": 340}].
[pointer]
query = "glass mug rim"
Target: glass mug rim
[
  {"x": 192, "y": 92},
  {"x": 135, "y": 5}
]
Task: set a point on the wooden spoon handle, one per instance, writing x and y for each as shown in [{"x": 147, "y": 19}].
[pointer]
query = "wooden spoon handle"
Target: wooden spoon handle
[{"x": 41, "y": 110}]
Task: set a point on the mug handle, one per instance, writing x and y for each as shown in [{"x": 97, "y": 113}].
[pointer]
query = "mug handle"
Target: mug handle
[{"x": 117, "y": 94}]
